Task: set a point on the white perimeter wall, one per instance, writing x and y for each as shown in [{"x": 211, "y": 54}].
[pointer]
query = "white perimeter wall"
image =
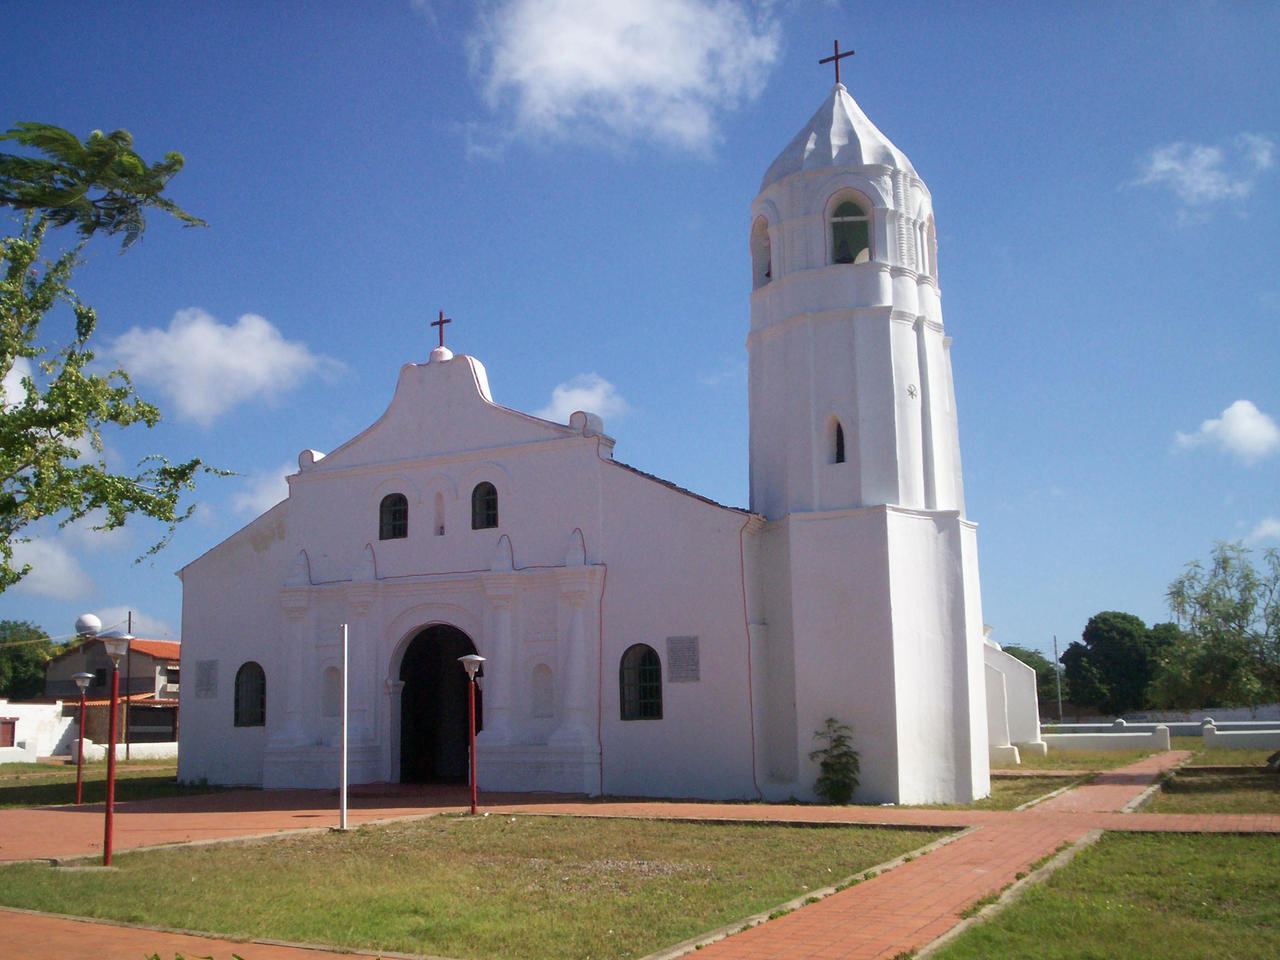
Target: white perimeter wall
[{"x": 41, "y": 726}]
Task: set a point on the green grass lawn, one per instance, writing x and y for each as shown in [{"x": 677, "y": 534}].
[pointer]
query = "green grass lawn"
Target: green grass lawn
[
  {"x": 1010, "y": 792},
  {"x": 1248, "y": 790},
  {"x": 40, "y": 789},
  {"x": 1080, "y": 760},
  {"x": 520, "y": 887},
  {"x": 1143, "y": 897}
]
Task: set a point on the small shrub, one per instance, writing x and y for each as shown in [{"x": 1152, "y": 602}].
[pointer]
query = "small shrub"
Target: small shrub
[{"x": 838, "y": 763}]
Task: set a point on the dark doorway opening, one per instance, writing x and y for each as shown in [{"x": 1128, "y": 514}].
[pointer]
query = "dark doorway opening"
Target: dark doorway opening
[{"x": 433, "y": 707}]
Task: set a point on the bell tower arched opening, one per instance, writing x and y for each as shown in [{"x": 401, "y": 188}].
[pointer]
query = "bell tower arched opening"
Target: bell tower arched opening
[
  {"x": 433, "y": 707},
  {"x": 761, "y": 254}
]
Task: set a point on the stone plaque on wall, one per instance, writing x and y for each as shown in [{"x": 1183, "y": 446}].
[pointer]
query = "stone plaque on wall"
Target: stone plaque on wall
[
  {"x": 682, "y": 659},
  {"x": 206, "y": 679}
]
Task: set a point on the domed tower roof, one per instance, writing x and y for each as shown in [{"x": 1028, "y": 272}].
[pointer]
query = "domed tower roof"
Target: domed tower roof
[{"x": 838, "y": 135}]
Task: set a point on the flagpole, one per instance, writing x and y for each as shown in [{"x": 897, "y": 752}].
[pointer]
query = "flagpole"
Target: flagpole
[{"x": 342, "y": 790}]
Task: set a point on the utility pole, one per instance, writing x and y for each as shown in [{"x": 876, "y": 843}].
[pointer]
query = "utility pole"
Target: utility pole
[{"x": 1057, "y": 672}]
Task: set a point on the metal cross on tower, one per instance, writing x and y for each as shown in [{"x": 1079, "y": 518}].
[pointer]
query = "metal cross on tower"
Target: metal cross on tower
[
  {"x": 837, "y": 58},
  {"x": 440, "y": 323}
]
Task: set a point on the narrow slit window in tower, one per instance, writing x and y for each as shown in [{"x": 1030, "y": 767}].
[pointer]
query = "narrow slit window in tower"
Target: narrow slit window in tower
[{"x": 839, "y": 444}]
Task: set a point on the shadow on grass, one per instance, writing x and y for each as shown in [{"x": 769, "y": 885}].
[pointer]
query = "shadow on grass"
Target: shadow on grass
[{"x": 139, "y": 785}]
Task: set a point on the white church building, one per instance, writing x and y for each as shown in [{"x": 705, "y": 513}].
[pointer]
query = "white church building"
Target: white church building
[{"x": 638, "y": 639}]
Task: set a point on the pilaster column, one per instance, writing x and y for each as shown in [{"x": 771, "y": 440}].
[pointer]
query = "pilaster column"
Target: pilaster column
[
  {"x": 579, "y": 593},
  {"x": 501, "y": 666},
  {"x": 362, "y": 682},
  {"x": 392, "y": 689},
  {"x": 296, "y": 603}
]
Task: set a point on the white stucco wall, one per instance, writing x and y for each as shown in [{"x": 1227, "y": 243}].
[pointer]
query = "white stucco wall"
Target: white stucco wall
[
  {"x": 1021, "y": 704},
  {"x": 40, "y": 726}
]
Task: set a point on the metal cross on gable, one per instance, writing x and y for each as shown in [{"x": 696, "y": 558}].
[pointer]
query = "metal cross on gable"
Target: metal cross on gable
[
  {"x": 440, "y": 323},
  {"x": 836, "y": 58}
]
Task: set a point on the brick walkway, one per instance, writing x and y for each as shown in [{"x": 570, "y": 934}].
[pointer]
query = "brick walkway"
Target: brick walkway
[{"x": 902, "y": 909}]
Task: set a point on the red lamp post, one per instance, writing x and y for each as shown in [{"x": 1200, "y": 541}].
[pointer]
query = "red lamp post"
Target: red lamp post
[
  {"x": 116, "y": 645},
  {"x": 82, "y": 681},
  {"x": 471, "y": 663}
]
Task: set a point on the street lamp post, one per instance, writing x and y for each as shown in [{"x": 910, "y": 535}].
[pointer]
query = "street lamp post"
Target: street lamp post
[
  {"x": 116, "y": 645},
  {"x": 471, "y": 663},
  {"x": 82, "y": 681}
]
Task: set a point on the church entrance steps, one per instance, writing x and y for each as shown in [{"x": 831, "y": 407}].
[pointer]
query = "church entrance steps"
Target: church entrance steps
[{"x": 904, "y": 908}]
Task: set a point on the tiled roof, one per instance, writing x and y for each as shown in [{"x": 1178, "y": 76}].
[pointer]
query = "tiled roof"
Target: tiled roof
[{"x": 160, "y": 649}]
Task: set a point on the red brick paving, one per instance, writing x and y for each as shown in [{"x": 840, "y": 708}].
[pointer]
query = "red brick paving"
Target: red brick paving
[{"x": 900, "y": 910}]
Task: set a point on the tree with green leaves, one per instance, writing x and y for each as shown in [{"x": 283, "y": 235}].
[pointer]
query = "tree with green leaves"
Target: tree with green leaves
[
  {"x": 51, "y": 453},
  {"x": 1113, "y": 663},
  {"x": 1227, "y": 652},
  {"x": 99, "y": 185},
  {"x": 24, "y": 651},
  {"x": 839, "y": 765}
]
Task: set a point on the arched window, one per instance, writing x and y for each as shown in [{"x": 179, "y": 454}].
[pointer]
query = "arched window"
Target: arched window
[
  {"x": 484, "y": 506},
  {"x": 761, "y": 255},
  {"x": 439, "y": 503},
  {"x": 850, "y": 233},
  {"x": 393, "y": 517},
  {"x": 838, "y": 444},
  {"x": 251, "y": 696},
  {"x": 640, "y": 683}
]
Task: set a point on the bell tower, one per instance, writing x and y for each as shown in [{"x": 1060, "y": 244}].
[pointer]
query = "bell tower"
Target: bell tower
[
  {"x": 872, "y": 607},
  {"x": 850, "y": 373}
]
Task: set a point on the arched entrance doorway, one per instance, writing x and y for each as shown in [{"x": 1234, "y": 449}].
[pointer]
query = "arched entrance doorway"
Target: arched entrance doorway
[{"x": 433, "y": 707}]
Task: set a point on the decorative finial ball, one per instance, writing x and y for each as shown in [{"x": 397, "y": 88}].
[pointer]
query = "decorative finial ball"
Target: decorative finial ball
[
  {"x": 87, "y": 625},
  {"x": 440, "y": 355}
]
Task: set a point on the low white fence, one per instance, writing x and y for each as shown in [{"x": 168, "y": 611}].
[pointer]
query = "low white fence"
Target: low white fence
[
  {"x": 1157, "y": 739},
  {"x": 137, "y": 751},
  {"x": 1241, "y": 739}
]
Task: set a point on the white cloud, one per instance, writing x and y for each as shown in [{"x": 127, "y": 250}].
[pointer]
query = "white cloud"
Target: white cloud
[
  {"x": 587, "y": 391},
  {"x": 1267, "y": 529},
  {"x": 1200, "y": 175},
  {"x": 205, "y": 367},
  {"x": 634, "y": 70},
  {"x": 144, "y": 625},
  {"x": 55, "y": 572},
  {"x": 12, "y": 392},
  {"x": 81, "y": 537},
  {"x": 263, "y": 490},
  {"x": 1242, "y": 430}
]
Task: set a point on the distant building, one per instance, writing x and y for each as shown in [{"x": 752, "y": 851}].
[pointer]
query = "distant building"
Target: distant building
[{"x": 149, "y": 683}]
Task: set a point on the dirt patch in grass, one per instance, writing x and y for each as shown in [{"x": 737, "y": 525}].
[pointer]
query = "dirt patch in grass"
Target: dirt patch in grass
[
  {"x": 486, "y": 888},
  {"x": 1143, "y": 897},
  {"x": 1218, "y": 790}
]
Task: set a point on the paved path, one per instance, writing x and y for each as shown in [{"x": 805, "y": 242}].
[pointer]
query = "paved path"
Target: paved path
[{"x": 901, "y": 910}]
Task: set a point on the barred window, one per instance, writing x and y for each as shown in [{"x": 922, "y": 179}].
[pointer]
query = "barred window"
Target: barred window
[
  {"x": 640, "y": 683},
  {"x": 484, "y": 506},
  {"x": 251, "y": 696},
  {"x": 393, "y": 517}
]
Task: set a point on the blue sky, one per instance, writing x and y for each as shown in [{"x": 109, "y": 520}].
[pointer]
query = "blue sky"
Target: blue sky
[{"x": 570, "y": 181}]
